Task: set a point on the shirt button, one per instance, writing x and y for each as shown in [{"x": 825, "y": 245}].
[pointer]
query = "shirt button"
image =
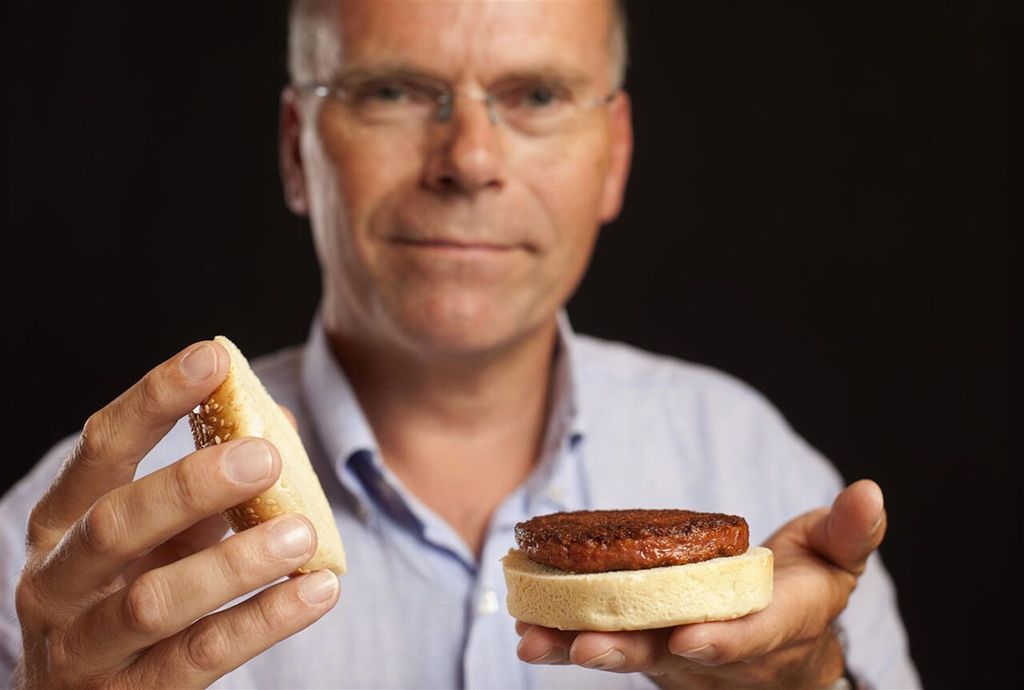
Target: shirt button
[
  {"x": 555, "y": 493},
  {"x": 488, "y": 603}
]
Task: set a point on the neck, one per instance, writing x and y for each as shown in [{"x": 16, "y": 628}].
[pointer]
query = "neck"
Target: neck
[{"x": 461, "y": 432}]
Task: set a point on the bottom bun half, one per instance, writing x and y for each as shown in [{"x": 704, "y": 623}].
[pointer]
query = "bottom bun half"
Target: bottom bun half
[{"x": 714, "y": 590}]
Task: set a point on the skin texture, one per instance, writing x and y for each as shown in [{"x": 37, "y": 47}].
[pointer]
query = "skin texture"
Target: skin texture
[
  {"x": 790, "y": 644},
  {"x": 118, "y": 569},
  {"x": 448, "y": 249},
  {"x": 446, "y": 253}
]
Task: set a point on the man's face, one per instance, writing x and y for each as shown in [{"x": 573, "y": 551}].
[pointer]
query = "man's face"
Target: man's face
[{"x": 460, "y": 237}]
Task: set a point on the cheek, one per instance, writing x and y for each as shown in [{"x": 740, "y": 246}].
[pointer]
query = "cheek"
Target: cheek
[
  {"x": 568, "y": 185},
  {"x": 361, "y": 176},
  {"x": 359, "y": 186}
]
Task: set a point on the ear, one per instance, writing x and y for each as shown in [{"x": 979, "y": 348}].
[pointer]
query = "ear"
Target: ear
[
  {"x": 620, "y": 157},
  {"x": 293, "y": 173}
]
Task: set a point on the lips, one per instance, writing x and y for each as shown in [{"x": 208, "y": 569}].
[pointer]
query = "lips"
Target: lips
[{"x": 454, "y": 244}]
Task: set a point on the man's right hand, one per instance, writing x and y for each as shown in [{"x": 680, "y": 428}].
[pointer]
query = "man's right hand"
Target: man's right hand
[{"x": 122, "y": 574}]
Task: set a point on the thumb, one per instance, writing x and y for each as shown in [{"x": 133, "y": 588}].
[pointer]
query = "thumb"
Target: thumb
[{"x": 854, "y": 527}]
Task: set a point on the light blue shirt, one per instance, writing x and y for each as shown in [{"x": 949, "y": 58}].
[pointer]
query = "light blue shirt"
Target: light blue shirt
[{"x": 628, "y": 429}]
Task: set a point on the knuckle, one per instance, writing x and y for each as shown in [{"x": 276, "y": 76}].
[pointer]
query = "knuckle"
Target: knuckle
[
  {"x": 146, "y": 605},
  {"x": 207, "y": 647},
  {"x": 59, "y": 654},
  {"x": 148, "y": 398},
  {"x": 842, "y": 588},
  {"x": 26, "y": 600},
  {"x": 102, "y": 528},
  {"x": 37, "y": 532},
  {"x": 94, "y": 439},
  {"x": 237, "y": 560},
  {"x": 188, "y": 486},
  {"x": 271, "y": 611}
]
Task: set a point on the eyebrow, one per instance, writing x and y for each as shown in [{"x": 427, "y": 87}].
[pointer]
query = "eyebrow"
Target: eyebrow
[
  {"x": 386, "y": 69},
  {"x": 573, "y": 78}
]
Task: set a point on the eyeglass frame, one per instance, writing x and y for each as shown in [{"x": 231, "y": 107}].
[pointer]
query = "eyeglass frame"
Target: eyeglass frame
[{"x": 445, "y": 99}]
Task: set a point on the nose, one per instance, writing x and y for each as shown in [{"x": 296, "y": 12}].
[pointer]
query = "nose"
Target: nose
[{"x": 465, "y": 150}]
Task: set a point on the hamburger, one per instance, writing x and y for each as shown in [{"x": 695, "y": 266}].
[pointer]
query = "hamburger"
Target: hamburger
[{"x": 635, "y": 570}]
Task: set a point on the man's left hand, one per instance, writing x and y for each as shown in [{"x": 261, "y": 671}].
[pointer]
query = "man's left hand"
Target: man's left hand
[{"x": 791, "y": 643}]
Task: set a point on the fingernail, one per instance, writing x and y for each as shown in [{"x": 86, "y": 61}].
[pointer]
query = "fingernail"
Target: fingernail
[
  {"x": 318, "y": 587},
  {"x": 878, "y": 516},
  {"x": 249, "y": 461},
  {"x": 554, "y": 655},
  {"x": 608, "y": 661},
  {"x": 290, "y": 538},
  {"x": 199, "y": 363},
  {"x": 703, "y": 653}
]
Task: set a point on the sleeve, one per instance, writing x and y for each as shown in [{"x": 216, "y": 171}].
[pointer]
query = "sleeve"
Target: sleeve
[
  {"x": 877, "y": 649},
  {"x": 15, "y": 507},
  {"x": 10, "y": 631},
  {"x": 17, "y": 504},
  {"x": 874, "y": 639}
]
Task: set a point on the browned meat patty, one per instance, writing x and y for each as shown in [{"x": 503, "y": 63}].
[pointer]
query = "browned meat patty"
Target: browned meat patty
[{"x": 597, "y": 541}]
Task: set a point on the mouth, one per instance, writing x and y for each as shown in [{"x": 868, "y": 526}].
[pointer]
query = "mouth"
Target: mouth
[{"x": 455, "y": 246}]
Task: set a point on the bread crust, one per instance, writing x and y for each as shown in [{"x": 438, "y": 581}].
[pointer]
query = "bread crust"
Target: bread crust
[
  {"x": 242, "y": 407},
  {"x": 717, "y": 589}
]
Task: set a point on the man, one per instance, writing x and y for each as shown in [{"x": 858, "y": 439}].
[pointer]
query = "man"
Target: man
[{"x": 456, "y": 161}]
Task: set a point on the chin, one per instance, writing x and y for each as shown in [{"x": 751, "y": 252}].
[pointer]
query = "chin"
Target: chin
[{"x": 461, "y": 327}]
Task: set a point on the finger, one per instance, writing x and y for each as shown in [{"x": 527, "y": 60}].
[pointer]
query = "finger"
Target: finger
[
  {"x": 221, "y": 642},
  {"x": 722, "y": 642},
  {"x": 129, "y": 522},
  {"x": 807, "y": 596},
  {"x": 199, "y": 536},
  {"x": 818, "y": 556},
  {"x": 540, "y": 645},
  {"x": 118, "y": 436},
  {"x": 623, "y": 652},
  {"x": 854, "y": 527},
  {"x": 288, "y": 414},
  {"x": 164, "y": 601}
]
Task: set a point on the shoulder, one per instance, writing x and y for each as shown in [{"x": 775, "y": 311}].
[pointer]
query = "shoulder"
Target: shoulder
[
  {"x": 615, "y": 367},
  {"x": 281, "y": 369},
  {"x": 698, "y": 434}
]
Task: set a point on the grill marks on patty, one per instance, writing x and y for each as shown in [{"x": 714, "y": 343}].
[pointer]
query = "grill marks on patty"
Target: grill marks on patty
[{"x": 597, "y": 541}]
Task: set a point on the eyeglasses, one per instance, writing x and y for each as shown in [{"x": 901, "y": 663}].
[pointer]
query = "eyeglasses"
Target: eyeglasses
[{"x": 530, "y": 107}]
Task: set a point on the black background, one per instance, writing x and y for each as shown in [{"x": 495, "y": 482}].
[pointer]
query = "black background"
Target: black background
[{"x": 814, "y": 207}]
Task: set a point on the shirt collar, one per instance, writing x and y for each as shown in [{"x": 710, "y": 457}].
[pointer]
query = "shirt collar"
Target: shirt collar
[
  {"x": 565, "y": 426},
  {"x": 352, "y": 450},
  {"x": 337, "y": 418}
]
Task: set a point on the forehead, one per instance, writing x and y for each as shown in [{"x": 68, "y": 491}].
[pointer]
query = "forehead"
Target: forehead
[{"x": 477, "y": 40}]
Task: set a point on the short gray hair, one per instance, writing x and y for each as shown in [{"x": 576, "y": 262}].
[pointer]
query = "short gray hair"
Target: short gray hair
[{"x": 308, "y": 33}]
